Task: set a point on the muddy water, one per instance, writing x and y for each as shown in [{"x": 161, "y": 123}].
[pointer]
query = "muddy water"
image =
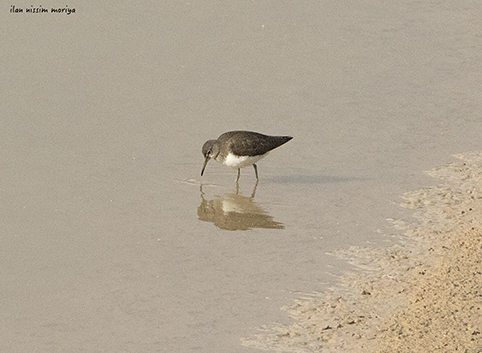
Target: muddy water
[
  {"x": 112, "y": 240},
  {"x": 420, "y": 295}
]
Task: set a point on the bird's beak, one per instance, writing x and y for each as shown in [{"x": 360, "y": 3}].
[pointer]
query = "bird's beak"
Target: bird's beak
[{"x": 206, "y": 160}]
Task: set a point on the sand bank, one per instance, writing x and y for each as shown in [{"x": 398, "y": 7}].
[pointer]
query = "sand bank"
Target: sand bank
[{"x": 422, "y": 295}]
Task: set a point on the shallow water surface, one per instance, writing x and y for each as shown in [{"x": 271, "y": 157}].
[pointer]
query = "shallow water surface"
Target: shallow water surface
[{"x": 113, "y": 241}]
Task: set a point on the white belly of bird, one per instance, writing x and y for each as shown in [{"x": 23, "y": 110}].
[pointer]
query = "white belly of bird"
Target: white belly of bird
[{"x": 241, "y": 161}]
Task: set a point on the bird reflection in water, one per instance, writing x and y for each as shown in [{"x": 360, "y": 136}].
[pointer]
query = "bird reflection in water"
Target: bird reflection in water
[{"x": 235, "y": 212}]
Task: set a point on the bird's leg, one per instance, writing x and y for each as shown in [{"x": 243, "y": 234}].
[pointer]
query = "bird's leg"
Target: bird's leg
[
  {"x": 256, "y": 171},
  {"x": 239, "y": 171}
]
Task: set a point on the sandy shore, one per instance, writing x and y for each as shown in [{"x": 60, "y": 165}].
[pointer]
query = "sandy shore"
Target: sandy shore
[{"x": 422, "y": 295}]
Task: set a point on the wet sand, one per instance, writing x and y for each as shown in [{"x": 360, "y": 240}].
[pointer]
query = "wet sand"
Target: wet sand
[{"x": 422, "y": 295}]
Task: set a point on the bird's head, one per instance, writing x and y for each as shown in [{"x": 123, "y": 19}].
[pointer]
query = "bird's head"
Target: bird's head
[{"x": 210, "y": 150}]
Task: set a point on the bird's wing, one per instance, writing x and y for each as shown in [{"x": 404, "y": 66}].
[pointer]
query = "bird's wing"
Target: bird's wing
[{"x": 252, "y": 145}]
